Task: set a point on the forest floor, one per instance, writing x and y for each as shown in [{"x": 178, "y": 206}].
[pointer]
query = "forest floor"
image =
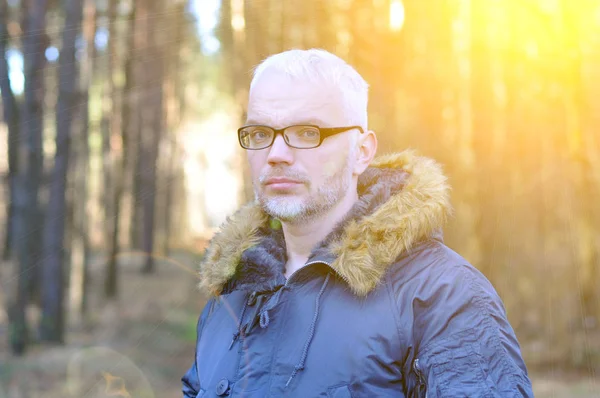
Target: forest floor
[{"x": 141, "y": 345}]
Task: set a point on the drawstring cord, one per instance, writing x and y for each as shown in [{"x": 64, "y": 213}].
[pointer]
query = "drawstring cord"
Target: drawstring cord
[
  {"x": 264, "y": 322},
  {"x": 269, "y": 305},
  {"x": 245, "y": 328},
  {"x": 240, "y": 320},
  {"x": 300, "y": 365},
  {"x": 264, "y": 319}
]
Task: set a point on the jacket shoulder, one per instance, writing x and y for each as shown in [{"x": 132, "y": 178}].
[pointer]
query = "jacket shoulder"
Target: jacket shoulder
[
  {"x": 435, "y": 264},
  {"x": 456, "y": 325}
]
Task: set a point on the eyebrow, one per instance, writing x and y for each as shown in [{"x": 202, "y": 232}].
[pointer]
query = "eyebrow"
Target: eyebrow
[{"x": 316, "y": 122}]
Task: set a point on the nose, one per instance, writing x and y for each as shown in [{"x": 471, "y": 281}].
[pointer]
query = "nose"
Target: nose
[{"x": 280, "y": 152}]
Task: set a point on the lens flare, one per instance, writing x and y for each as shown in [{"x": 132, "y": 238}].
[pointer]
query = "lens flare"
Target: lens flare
[
  {"x": 115, "y": 386},
  {"x": 396, "y": 15},
  {"x": 101, "y": 371}
]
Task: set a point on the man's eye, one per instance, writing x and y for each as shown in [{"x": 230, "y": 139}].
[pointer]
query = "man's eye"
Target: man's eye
[
  {"x": 309, "y": 134},
  {"x": 259, "y": 135}
]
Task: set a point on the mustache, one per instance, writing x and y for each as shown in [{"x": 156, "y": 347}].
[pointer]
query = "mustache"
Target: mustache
[{"x": 283, "y": 173}]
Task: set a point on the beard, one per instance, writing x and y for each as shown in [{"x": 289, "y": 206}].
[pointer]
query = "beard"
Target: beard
[{"x": 289, "y": 208}]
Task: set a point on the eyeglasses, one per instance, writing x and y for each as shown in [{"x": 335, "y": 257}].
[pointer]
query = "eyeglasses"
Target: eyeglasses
[{"x": 299, "y": 136}]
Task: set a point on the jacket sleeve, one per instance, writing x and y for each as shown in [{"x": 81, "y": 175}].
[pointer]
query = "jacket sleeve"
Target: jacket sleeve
[
  {"x": 191, "y": 384},
  {"x": 464, "y": 343},
  {"x": 190, "y": 381}
]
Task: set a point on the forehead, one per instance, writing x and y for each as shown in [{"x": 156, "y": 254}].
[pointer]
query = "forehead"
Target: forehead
[{"x": 279, "y": 100}]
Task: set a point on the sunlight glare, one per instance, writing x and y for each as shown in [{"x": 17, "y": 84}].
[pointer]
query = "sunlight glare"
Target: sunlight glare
[
  {"x": 238, "y": 23},
  {"x": 15, "y": 70},
  {"x": 396, "y": 15},
  {"x": 207, "y": 17}
]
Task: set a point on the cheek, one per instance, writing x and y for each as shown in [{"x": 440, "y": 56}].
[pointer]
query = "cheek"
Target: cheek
[
  {"x": 255, "y": 161},
  {"x": 333, "y": 163},
  {"x": 330, "y": 167}
]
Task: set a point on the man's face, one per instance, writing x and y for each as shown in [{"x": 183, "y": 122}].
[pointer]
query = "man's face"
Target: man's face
[{"x": 299, "y": 184}]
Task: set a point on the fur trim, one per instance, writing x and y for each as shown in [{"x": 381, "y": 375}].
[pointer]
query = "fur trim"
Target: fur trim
[
  {"x": 405, "y": 199},
  {"x": 224, "y": 253},
  {"x": 371, "y": 244}
]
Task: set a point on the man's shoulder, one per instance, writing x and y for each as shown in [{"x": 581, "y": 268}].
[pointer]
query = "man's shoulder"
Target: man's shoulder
[
  {"x": 435, "y": 265},
  {"x": 427, "y": 256}
]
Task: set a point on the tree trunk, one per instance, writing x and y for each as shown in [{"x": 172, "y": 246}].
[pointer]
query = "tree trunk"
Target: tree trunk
[
  {"x": 35, "y": 41},
  {"x": 80, "y": 158},
  {"x": 29, "y": 176},
  {"x": 137, "y": 134},
  {"x": 140, "y": 46},
  {"x": 119, "y": 131},
  {"x": 130, "y": 130},
  {"x": 173, "y": 118},
  {"x": 52, "y": 326},
  {"x": 16, "y": 310},
  {"x": 136, "y": 151},
  {"x": 143, "y": 66},
  {"x": 107, "y": 122},
  {"x": 151, "y": 123},
  {"x": 11, "y": 117}
]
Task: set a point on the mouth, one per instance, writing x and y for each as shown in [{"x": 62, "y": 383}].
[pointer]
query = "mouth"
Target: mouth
[{"x": 281, "y": 183}]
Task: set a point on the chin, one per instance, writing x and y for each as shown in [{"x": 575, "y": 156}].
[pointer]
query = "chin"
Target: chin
[{"x": 285, "y": 209}]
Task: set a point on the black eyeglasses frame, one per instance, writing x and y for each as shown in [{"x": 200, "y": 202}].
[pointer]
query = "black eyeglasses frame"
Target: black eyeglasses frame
[{"x": 324, "y": 132}]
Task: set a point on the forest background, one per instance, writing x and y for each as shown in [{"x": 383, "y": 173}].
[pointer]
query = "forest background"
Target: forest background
[{"x": 119, "y": 160}]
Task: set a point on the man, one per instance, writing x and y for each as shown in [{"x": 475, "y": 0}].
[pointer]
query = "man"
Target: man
[{"x": 335, "y": 282}]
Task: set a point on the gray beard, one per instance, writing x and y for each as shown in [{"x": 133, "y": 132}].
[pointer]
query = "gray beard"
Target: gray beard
[{"x": 297, "y": 211}]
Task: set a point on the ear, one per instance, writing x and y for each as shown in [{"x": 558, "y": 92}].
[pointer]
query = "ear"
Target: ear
[{"x": 366, "y": 149}]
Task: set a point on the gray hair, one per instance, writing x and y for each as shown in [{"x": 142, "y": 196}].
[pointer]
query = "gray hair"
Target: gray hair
[{"x": 320, "y": 66}]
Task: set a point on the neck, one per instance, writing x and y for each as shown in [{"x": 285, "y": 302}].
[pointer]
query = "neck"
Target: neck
[{"x": 300, "y": 239}]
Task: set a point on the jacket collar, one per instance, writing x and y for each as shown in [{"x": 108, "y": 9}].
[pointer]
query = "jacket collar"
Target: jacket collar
[{"x": 403, "y": 199}]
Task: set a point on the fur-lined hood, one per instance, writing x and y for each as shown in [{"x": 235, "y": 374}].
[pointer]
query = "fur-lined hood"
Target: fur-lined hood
[{"x": 403, "y": 199}]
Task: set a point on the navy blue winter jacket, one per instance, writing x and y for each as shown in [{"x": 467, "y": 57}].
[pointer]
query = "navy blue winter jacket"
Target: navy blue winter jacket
[{"x": 382, "y": 308}]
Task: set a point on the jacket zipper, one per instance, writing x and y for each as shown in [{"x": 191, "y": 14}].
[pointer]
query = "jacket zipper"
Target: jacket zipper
[{"x": 422, "y": 385}]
